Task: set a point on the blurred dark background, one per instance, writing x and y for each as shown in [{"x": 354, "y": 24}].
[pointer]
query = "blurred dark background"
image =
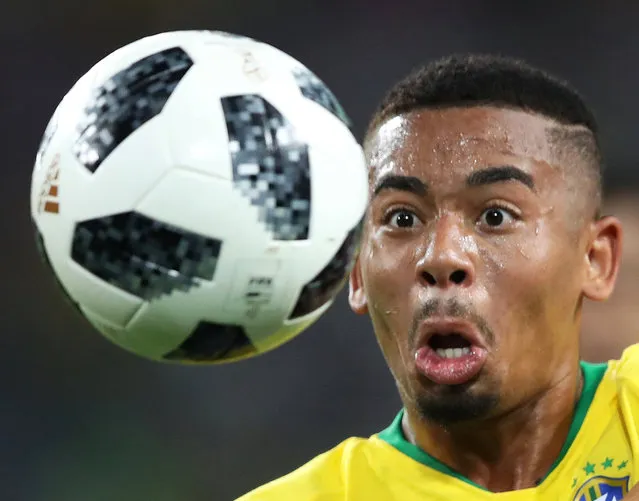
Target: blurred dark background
[{"x": 82, "y": 420}]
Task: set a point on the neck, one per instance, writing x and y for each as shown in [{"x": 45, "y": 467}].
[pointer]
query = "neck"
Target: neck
[{"x": 512, "y": 451}]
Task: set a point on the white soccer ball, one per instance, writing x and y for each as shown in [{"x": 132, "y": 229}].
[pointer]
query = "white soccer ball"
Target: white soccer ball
[{"x": 199, "y": 197}]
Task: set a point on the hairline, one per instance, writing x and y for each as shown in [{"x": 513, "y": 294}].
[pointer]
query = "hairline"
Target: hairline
[{"x": 382, "y": 118}]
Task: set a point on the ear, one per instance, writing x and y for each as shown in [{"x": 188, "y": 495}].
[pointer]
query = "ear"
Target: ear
[
  {"x": 603, "y": 259},
  {"x": 356, "y": 294}
]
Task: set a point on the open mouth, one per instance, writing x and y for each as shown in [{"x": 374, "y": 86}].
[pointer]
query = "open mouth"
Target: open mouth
[
  {"x": 450, "y": 352},
  {"x": 451, "y": 345}
]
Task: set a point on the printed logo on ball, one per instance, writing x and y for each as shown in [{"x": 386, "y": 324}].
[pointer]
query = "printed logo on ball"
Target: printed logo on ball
[{"x": 48, "y": 200}]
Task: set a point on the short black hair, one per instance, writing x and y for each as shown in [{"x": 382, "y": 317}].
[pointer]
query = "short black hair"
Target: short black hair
[
  {"x": 469, "y": 80},
  {"x": 486, "y": 79}
]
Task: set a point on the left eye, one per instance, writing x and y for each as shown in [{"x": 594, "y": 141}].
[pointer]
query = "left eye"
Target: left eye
[{"x": 496, "y": 217}]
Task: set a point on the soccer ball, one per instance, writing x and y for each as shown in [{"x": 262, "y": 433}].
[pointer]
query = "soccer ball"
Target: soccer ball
[{"x": 199, "y": 197}]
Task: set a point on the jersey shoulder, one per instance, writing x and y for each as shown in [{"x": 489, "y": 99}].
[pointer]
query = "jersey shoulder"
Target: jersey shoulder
[
  {"x": 625, "y": 374},
  {"x": 320, "y": 479},
  {"x": 625, "y": 371}
]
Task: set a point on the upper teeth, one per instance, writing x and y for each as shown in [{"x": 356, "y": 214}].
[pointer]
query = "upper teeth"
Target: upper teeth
[{"x": 452, "y": 352}]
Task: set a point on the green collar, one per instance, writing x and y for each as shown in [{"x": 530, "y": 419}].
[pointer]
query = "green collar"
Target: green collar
[{"x": 593, "y": 373}]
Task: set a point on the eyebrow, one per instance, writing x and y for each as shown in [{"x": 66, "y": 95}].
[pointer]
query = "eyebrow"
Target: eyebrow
[
  {"x": 500, "y": 174},
  {"x": 410, "y": 184},
  {"x": 482, "y": 177}
]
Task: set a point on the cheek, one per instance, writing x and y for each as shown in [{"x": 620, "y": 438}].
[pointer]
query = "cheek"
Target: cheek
[
  {"x": 535, "y": 279},
  {"x": 512, "y": 291},
  {"x": 536, "y": 259},
  {"x": 388, "y": 281},
  {"x": 387, "y": 274}
]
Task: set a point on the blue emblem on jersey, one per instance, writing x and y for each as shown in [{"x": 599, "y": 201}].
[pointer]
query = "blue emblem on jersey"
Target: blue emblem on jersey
[{"x": 603, "y": 489}]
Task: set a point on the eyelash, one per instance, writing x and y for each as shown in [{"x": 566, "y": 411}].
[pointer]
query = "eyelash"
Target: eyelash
[
  {"x": 391, "y": 213},
  {"x": 504, "y": 207}
]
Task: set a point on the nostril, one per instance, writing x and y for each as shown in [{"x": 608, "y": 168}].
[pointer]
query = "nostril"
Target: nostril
[
  {"x": 458, "y": 277},
  {"x": 430, "y": 279}
]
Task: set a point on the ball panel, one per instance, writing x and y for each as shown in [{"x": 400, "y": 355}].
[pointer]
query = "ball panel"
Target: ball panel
[
  {"x": 213, "y": 342},
  {"x": 258, "y": 291},
  {"x": 314, "y": 89},
  {"x": 105, "y": 300},
  {"x": 339, "y": 191},
  {"x": 125, "y": 102},
  {"x": 270, "y": 336},
  {"x": 84, "y": 288},
  {"x": 113, "y": 333},
  {"x": 160, "y": 326},
  {"x": 270, "y": 167},
  {"x": 328, "y": 282},
  {"x": 194, "y": 120},
  {"x": 42, "y": 251},
  {"x": 208, "y": 206},
  {"x": 128, "y": 174},
  {"x": 144, "y": 257}
]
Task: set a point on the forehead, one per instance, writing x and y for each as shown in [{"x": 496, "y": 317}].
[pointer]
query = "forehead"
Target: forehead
[{"x": 447, "y": 141}]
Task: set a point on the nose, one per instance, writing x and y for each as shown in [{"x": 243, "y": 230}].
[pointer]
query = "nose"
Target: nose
[{"x": 448, "y": 260}]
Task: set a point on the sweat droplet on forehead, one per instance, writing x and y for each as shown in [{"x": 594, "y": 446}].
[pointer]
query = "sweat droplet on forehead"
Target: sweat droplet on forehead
[
  {"x": 428, "y": 143},
  {"x": 388, "y": 139}
]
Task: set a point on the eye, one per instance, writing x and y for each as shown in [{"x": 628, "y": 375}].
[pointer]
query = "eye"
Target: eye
[
  {"x": 496, "y": 217},
  {"x": 402, "y": 218}
]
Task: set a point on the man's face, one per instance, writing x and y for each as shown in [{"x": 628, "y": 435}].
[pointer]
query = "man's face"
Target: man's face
[{"x": 472, "y": 266}]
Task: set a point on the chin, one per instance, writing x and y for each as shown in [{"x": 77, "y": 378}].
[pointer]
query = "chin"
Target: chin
[
  {"x": 447, "y": 405},
  {"x": 453, "y": 409}
]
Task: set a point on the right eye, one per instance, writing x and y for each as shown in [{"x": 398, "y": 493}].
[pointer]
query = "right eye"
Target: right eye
[{"x": 402, "y": 218}]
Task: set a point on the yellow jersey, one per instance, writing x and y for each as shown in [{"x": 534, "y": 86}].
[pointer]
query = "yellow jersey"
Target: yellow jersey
[{"x": 599, "y": 461}]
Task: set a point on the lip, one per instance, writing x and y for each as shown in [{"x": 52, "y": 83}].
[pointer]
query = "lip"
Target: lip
[{"x": 446, "y": 325}]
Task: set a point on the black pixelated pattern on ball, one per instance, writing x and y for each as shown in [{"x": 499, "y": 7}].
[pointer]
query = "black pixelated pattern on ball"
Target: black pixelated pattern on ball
[
  {"x": 327, "y": 282},
  {"x": 211, "y": 342},
  {"x": 316, "y": 90},
  {"x": 125, "y": 102},
  {"x": 270, "y": 167},
  {"x": 144, "y": 257}
]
